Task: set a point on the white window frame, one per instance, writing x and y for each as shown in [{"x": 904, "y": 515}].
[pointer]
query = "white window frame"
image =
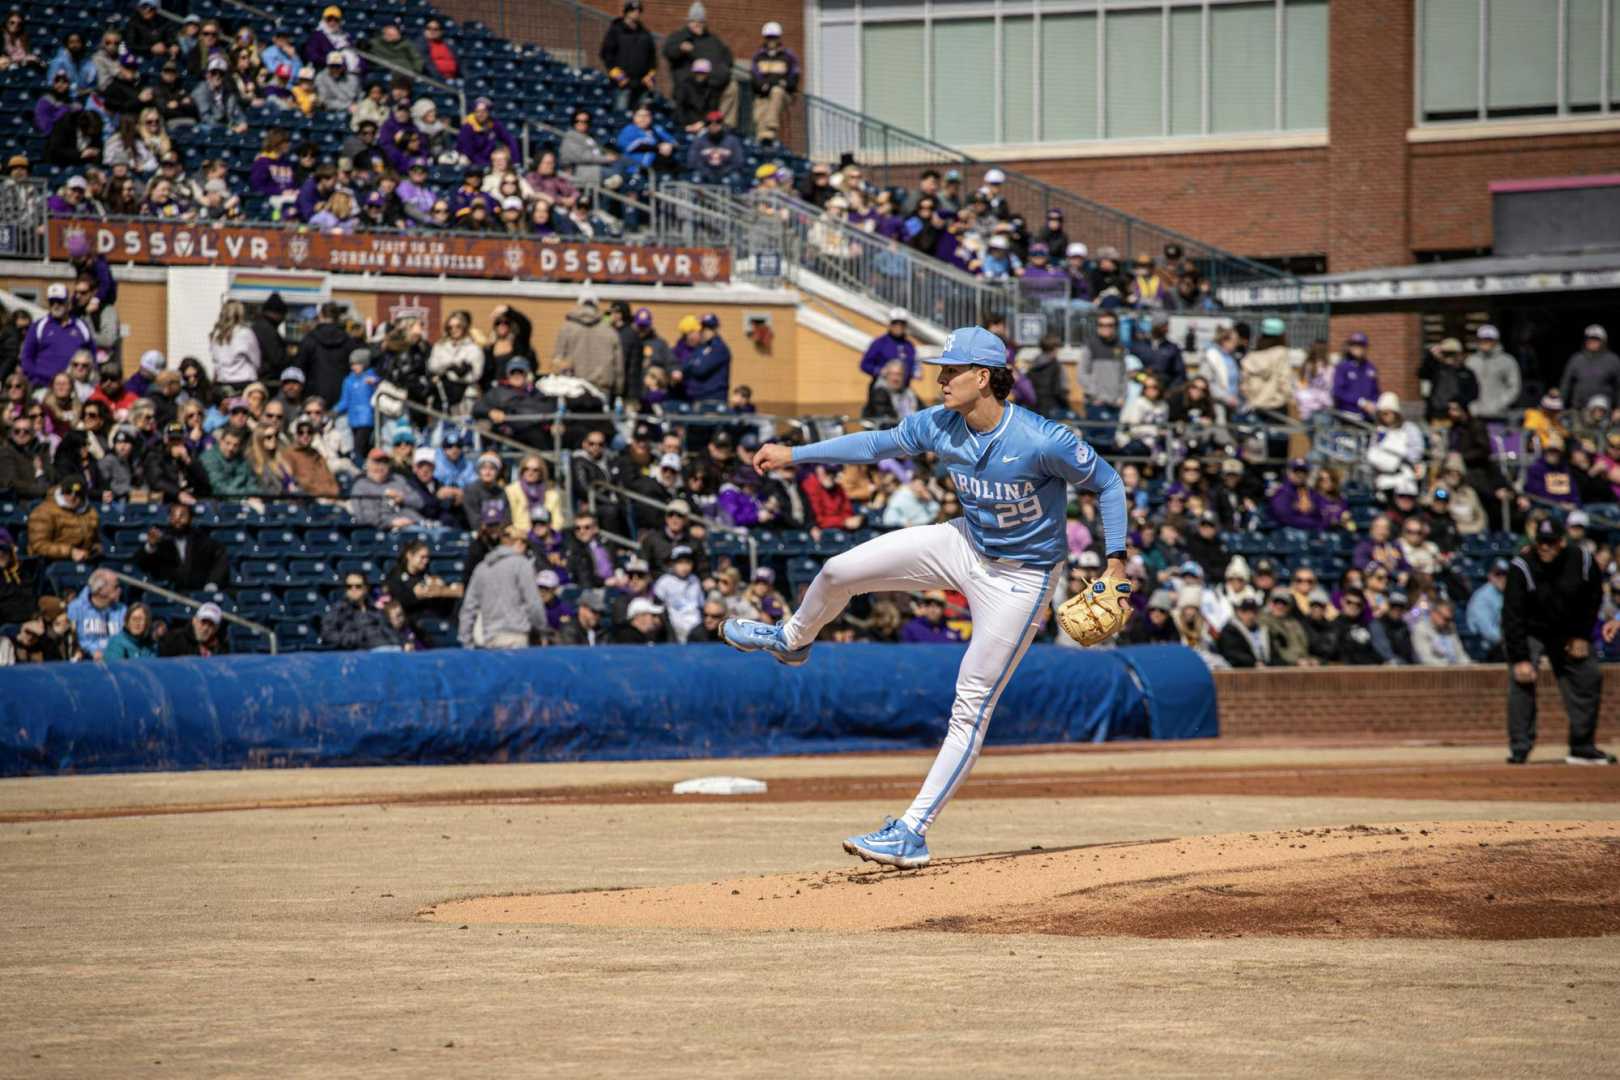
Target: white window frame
[
  {"x": 1562, "y": 115},
  {"x": 925, "y": 12}
]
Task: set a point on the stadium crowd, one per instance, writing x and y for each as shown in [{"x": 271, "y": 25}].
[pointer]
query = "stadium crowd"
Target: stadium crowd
[
  {"x": 1253, "y": 538},
  {"x": 494, "y": 521}
]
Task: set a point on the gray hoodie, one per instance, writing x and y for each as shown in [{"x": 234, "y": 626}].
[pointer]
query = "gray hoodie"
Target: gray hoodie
[
  {"x": 504, "y": 592},
  {"x": 1589, "y": 374},
  {"x": 1499, "y": 381},
  {"x": 582, "y": 155}
]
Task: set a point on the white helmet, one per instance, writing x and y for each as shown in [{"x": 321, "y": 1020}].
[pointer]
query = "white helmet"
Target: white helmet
[{"x": 772, "y": 29}]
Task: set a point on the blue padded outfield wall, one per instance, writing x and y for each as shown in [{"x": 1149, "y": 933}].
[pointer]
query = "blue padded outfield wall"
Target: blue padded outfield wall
[{"x": 569, "y": 704}]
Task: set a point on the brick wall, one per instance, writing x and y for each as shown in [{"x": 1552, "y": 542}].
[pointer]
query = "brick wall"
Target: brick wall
[{"x": 1395, "y": 702}]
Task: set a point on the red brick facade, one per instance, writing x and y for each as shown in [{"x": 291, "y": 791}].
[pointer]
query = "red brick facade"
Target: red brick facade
[
  {"x": 1402, "y": 702},
  {"x": 1368, "y": 198}
]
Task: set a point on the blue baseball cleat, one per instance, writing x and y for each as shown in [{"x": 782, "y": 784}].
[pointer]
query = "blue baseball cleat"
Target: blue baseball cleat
[
  {"x": 747, "y": 635},
  {"x": 893, "y": 845}
]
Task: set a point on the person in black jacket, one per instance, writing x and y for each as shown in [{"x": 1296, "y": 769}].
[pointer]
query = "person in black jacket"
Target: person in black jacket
[
  {"x": 1352, "y": 641},
  {"x": 184, "y": 559},
  {"x": 1243, "y": 642},
  {"x": 16, "y": 590},
  {"x": 630, "y": 57},
  {"x": 266, "y": 327},
  {"x": 203, "y": 635},
  {"x": 1046, "y": 376},
  {"x": 1390, "y": 634},
  {"x": 1549, "y": 610},
  {"x": 323, "y": 354},
  {"x": 173, "y": 470}
]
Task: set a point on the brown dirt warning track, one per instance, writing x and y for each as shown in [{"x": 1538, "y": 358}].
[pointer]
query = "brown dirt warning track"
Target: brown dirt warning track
[{"x": 1477, "y": 879}]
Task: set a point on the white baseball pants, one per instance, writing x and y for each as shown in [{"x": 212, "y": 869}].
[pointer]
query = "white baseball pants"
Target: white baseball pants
[{"x": 1006, "y": 598}]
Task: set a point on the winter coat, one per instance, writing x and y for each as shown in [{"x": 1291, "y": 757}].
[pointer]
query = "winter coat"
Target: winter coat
[
  {"x": 632, "y": 50},
  {"x": 1588, "y": 374},
  {"x": 1289, "y": 642},
  {"x": 887, "y": 347},
  {"x": 583, "y": 156},
  {"x": 1395, "y": 454},
  {"x": 169, "y": 477},
  {"x": 17, "y": 469},
  {"x": 309, "y": 471},
  {"x": 228, "y": 477},
  {"x": 54, "y": 531},
  {"x": 323, "y": 356},
  {"x": 503, "y": 592},
  {"x": 1552, "y": 602},
  {"x": 1268, "y": 379},
  {"x": 694, "y": 100},
  {"x": 708, "y": 371},
  {"x": 183, "y": 642},
  {"x": 355, "y": 399},
  {"x": 125, "y": 646},
  {"x": 458, "y": 364},
  {"x": 372, "y": 506},
  {"x": 1500, "y": 382},
  {"x": 705, "y": 46},
  {"x": 588, "y": 345},
  {"x": 117, "y": 474},
  {"x": 476, "y": 141},
  {"x": 350, "y": 626},
  {"x": 205, "y": 562}
]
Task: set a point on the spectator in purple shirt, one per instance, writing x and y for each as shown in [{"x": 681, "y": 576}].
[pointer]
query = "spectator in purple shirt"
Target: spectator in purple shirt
[
  {"x": 1294, "y": 505},
  {"x": 481, "y": 133},
  {"x": 329, "y": 37},
  {"x": 1549, "y": 476},
  {"x": 1355, "y": 380},
  {"x": 272, "y": 173},
  {"x": 56, "y": 102},
  {"x": 928, "y": 626},
  {"x": 51, "y": 342},
  {"x": 893, "y": 345},
  {"x": 71, "y": 200},
  {"x": 1041, "y": 279}
]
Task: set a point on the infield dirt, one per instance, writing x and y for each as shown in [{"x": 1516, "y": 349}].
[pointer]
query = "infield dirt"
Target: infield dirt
[{"x": 287, "y": 941}]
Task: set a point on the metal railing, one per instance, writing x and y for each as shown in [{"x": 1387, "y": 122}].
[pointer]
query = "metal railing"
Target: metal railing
[
  {"x": 170, "y": 594},
  {"x": 22, "y": 219},
  {"x": 711, "y": 524}
]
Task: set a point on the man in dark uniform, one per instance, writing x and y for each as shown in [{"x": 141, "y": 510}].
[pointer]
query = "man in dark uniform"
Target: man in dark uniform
[{"x": 1549, "y": 609}]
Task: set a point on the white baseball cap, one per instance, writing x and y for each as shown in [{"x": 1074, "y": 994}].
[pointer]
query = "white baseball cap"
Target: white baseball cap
[
  {"x": 1077, "y": 250},
  {"x": 1389, "y": 401},
  {"x": 1577, "y": 519},
  {"x": 670, "y": 461},
  {"x": 771, "y": 29},
  {"x": 211, "y": 613},
  {"x": 547, "y": 579},
  {"x": 898, "y": 314},
  {"x": 1487, "y": 332},
  {"x": 1090, "y": 560},
  {"x": 643, "y": 606},
  {"x": 57, "y": 291},
  {"x": 421, "y": 454},
  {"x": 995, "y": 176},
  {"x": 1596, "y": 331}
]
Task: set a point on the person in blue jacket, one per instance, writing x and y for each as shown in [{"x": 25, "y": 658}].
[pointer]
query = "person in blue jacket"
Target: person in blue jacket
[
  {"x": 354, "y": 401},
  {"x": 646, "y": 144},
  {"x": 705, "y": 375}
]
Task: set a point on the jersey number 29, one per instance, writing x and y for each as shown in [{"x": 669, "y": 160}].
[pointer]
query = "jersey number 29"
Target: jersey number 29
[{"x": 1023, "y": 512}]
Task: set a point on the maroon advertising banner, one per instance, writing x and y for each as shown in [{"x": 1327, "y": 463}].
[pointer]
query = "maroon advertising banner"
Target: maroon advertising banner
[{"x": 166, "y": 244}]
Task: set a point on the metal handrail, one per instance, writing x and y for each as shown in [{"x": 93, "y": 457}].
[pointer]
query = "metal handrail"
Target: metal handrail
[
  {"x": 170, "y": 594},
  {"x": 707, "y": 522}
]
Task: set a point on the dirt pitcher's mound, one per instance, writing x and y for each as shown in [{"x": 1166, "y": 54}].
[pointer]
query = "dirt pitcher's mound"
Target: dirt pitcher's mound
[{"x": 1432, "y": 880}]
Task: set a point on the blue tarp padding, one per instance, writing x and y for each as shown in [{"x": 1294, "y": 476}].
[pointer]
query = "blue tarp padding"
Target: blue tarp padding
[{"x": 565, "y": 704}]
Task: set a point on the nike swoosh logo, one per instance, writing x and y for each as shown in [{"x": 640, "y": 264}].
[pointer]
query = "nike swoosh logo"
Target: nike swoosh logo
[
  {"x": 1017, "y": 589},
  {"x": 1005, "y": 460}
]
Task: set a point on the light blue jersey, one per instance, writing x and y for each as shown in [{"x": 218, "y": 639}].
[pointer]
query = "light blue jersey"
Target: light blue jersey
[{"x": 1012, "y": 482}]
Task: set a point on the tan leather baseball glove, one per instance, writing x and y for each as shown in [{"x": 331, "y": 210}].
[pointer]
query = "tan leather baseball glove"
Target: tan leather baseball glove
[{"x": 1098, "y": 613}]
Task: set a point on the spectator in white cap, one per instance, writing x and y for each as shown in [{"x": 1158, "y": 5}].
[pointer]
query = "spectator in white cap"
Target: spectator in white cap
[
  {"x": 893, "y": 344},
  {"x": 1398, "y": 445},
  {"x": 1497, "y": 372},
  {"x": 997, "y": 202},
  {"x": 644, "y": 624},
  {"x": 203, "y": 635},
  {"x": 1592, "y": 371},
  {"x": 679, "y": 589},
  {"x": 1593, "y": 420},
  {"x": 51, "y": 341},
  {"x": 1000, "y": 263},
  {"x": 775, "y": 77}
]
